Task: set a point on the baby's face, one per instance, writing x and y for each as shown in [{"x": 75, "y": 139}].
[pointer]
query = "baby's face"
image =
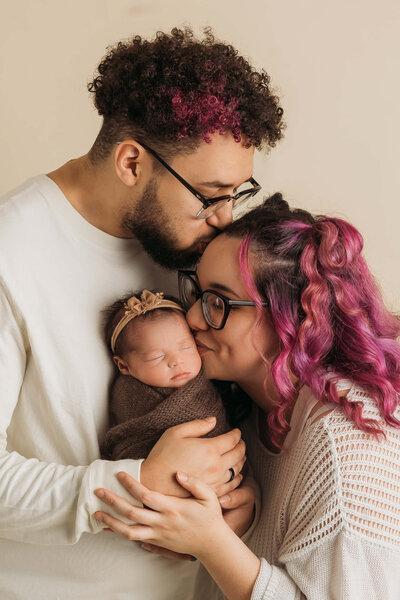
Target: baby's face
[{"x": 164, "y": 352}]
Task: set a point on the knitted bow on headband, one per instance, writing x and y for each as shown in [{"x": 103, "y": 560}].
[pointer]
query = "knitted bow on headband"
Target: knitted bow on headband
[{"x": 135, "y": 307}]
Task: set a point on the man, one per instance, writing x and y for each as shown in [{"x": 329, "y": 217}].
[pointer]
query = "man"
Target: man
[{"x": 181, "y": 120}]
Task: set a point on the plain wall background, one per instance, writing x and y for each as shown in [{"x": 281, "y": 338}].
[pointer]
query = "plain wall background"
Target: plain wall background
[{"x": 334, "y": 63}]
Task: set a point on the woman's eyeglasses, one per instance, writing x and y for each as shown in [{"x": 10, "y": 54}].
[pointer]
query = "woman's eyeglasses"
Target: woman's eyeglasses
[{"x": 214, "y": 305}]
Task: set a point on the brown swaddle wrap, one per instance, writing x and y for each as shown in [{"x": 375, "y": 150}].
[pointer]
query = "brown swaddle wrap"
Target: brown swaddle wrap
[{"x": 139, "y": 413}]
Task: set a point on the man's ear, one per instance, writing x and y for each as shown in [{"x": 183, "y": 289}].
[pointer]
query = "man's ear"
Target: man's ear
[
  {"x": 121, "y": 364},
  {"x": 130, "y": 161}
]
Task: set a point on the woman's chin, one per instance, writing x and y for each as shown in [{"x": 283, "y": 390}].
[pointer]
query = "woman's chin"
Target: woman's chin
[
  {"x": 209, "y": 370},
  {"x": 212, "y": 372}
]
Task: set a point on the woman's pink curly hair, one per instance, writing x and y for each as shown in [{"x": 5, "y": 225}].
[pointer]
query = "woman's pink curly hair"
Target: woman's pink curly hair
[{"x": 326, "y": 309}]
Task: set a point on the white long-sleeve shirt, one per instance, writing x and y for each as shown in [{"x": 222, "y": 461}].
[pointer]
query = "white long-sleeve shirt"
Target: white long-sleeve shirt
[
  {"x": 329, "y": 526},
  {"x": 57, "y": 273}
]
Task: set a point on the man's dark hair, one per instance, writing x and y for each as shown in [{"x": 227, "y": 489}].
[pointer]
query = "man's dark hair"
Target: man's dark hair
[{"x": 174, "y": 90}]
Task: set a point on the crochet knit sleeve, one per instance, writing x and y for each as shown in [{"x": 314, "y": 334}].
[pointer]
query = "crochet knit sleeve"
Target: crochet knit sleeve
[{"x": 340, "y": 523}]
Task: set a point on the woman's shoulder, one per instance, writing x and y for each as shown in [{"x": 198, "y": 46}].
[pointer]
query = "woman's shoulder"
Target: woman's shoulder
[
  {"x": 331, "y": 431},
  {"x": 344, "y": 480},
  {"x": 333, "y": 418},
  {"x": 362, "y": 469},
  {"x": 333, "y": 445}
]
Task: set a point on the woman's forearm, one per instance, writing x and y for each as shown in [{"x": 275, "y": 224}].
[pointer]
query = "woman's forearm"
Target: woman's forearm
[
  {"x": 186, "y": 525},
  {"x": 231, "y": 564}
]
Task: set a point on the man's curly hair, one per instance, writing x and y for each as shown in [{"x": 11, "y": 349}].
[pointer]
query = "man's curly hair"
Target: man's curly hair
[{"x": 174, "y": 90}]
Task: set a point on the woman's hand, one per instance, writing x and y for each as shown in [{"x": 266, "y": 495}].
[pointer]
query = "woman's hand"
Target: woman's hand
[
  {"x": 192, "y": 526},
  {"x": 186, "y": 526},
  {"x": 239, "y": 511}
]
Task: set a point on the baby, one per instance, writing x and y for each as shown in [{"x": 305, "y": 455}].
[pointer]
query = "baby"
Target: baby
[{"x": 160, "y": 381}]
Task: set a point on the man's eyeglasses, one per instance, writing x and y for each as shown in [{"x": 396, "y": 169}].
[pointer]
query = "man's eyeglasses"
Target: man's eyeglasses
[
  {"x": 215, "y": 306},
  {"x": 211, "y": 205}
]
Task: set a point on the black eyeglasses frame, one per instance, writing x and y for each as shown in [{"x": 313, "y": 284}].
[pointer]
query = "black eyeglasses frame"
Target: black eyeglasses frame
[
  {"x": 206, "y": 202},
  {"x": 228, "y": 303}
]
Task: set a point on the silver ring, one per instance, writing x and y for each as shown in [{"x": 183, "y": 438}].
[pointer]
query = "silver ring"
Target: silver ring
[{"x": 232, "y": 472}]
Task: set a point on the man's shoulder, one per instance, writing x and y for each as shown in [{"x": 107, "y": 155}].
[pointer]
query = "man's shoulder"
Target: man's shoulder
[
  {"x": 29, "y": 188},
  {"x": 20, "y": 208}
]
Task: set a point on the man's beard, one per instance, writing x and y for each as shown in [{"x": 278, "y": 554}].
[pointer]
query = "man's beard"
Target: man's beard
[{"x": 152, "y": 226}]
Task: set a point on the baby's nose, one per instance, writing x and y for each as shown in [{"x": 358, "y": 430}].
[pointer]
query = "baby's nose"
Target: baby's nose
[{"x": 175, "y": 360}]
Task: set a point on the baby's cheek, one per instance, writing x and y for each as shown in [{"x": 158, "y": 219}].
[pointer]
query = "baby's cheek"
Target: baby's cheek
[{"x": 197, "y": 363}]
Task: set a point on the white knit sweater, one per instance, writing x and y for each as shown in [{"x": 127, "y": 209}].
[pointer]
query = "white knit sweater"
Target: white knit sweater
[{"x": 329, "y": 524}]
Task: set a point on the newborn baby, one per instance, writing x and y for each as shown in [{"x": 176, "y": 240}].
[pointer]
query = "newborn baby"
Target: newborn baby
[{"x": 160, "y": 382}]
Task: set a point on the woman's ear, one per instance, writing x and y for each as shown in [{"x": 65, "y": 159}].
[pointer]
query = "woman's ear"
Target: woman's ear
[
  {"x": 121, "y": 364},
  {"x": 131, "y": 161}
]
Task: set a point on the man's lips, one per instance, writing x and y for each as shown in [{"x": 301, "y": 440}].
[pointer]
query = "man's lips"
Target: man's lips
[{"x": 202, "y": 245}]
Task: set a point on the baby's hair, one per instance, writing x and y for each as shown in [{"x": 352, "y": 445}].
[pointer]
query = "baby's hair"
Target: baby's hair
[{"x": 114, "y": 313}]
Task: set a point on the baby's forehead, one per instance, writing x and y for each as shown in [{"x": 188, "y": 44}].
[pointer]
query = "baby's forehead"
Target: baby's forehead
[
  {"x": 159, "y": 327},
  {"x": 165, "y": 318}
]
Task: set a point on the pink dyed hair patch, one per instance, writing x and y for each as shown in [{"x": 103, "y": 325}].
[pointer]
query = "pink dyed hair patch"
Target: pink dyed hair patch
[{"x": 205, "y": 110}]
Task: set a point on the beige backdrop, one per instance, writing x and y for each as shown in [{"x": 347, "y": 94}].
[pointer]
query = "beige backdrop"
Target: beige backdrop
[{"x": 335, "y": 64}]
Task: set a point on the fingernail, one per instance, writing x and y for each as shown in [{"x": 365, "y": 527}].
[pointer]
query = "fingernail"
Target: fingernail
[
  {"x": 99, "y": 493},
  {"x": 225, "y": 499},
  {"x": 182, "y": 476},
  {"x": 209, "y": 419},
  {"x": 145, "y": 547},
  {"x": 98, "y": 517},
  {"x": 121, "y": 476}
]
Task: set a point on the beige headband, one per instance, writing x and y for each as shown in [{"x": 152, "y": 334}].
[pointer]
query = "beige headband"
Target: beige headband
[{"x": 135, "y": 307}]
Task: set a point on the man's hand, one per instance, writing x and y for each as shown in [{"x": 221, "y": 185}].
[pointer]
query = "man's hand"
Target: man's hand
[
  {"x": 181, "y": 448},
  {"x": 239, "y": 509}
]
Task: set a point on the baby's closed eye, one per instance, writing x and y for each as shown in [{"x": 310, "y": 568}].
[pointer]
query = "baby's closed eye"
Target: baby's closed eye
[{"x": 154, "y": 358}]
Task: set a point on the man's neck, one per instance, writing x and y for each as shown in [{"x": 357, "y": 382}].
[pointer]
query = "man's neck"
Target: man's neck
[{"x": 94, "y": 191}]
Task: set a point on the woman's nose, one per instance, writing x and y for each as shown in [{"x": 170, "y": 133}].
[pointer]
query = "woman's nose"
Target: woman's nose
[{"x": 194, "y": 317}]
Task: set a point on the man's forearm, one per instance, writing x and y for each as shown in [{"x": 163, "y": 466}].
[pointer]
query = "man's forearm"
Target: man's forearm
[{"x": 49, "y": 503}]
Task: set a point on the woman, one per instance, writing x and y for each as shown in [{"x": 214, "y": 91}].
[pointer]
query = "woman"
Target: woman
[{"x": 318, "y": 357}]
